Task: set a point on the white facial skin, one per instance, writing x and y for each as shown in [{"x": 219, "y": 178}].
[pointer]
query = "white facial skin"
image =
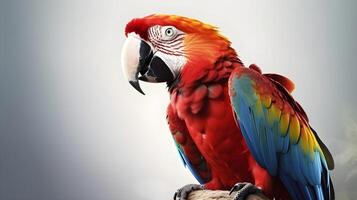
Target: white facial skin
[{"x": 167, "y": 42}]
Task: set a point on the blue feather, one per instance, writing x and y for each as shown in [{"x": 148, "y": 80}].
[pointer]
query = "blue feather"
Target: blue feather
[
  {"x": 300, "y": 173},
  {"x": 189, "y": 166}
]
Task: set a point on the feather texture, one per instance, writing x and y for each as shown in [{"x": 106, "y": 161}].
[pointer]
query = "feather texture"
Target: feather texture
[
  {"x": 190, "y": 155},
  {"x": 247, "y": 129},
  {"x": 277, "y": 132}
]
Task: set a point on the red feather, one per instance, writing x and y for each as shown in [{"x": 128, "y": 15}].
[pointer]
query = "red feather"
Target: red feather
[
  {"x": 200, "y": 115},
  {"x": 205, "y": 109}
]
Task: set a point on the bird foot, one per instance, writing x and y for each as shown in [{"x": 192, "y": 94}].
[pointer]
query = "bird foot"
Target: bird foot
[
  {"x": 182, "y": 193},
  {"x": 244, "y": 190}
]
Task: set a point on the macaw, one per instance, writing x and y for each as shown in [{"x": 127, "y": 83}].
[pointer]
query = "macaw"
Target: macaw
[{"x": 233, "y": 125}]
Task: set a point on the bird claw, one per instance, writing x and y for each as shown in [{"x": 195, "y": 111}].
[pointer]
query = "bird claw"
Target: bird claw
[
  {"x": 182, "y": 193},
  {"x": 244, "y": 190}
]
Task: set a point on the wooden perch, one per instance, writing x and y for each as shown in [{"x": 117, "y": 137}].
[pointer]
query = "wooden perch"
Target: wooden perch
[{"x": 220, "y": 195}]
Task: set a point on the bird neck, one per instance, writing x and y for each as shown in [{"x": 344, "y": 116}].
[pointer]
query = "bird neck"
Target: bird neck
[{"x": 197, "y": 72}]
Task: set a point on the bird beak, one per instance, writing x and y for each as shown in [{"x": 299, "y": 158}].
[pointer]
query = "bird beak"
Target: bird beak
[{"x": 138, "y": 58}]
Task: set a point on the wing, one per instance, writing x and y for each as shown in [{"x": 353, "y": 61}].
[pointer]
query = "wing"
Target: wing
[
  {"x": 278, "y": 134},
  {"x": 187, "y": 149}
]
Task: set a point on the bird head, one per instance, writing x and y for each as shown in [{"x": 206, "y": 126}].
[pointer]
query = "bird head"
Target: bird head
[{"x": 162, "y": 48}]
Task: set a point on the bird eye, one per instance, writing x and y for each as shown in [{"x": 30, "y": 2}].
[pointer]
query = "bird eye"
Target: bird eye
[{"x": 169, "y": 32}]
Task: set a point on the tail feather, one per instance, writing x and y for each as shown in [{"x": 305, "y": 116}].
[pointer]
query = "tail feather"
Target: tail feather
[
  {"x": 327, "y": 186},
  {"x": 298, "y": 191}
]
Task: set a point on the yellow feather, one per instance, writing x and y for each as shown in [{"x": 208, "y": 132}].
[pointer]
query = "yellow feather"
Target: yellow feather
[
  {"x": 294, "y": 129},
  {"x": 273, "y": 114},
  {"x": 284, "y": 124},
  {"x": 258, "y": 108},
  {"x": 266, "y": 100},
  {"x": 270, "y": 115},
  {"x": 314, "y": 145},
  {"x": 304, "y": 140}
]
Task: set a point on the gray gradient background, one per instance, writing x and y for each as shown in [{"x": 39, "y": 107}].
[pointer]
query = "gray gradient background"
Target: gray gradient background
[{"x": 72, "y": 128}]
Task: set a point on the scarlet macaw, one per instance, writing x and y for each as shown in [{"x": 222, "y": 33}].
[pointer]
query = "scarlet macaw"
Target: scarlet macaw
[{"x": 231, "y": 124}]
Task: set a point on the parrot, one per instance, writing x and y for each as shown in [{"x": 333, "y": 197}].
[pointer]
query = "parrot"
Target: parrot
[{"x": 234, "y": 126}]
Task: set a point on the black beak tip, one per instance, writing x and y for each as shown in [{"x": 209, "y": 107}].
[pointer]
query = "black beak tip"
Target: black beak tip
[{"x": 136, "y": 85}]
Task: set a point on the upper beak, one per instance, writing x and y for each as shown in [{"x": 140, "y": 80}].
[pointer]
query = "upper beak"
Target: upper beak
[
  {"x": 135, "y": 55},
  {"x": 138, "y": 57}
]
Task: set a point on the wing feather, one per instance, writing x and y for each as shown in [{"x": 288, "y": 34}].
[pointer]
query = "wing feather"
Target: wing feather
[
  {"x": 278, "y": 134},
  {"x": 189, "y": 153}
]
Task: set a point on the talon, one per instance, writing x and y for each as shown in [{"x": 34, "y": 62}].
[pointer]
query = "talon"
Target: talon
[
  {"x": 175, "y": 195},
  {"x": 237, "y": 187},
  {"x": 244, "y": 190},
  {"x": 182, "y": 193}
]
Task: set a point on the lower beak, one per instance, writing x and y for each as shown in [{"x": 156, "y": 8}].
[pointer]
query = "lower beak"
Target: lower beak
[{"x": 138, "y": 58}]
